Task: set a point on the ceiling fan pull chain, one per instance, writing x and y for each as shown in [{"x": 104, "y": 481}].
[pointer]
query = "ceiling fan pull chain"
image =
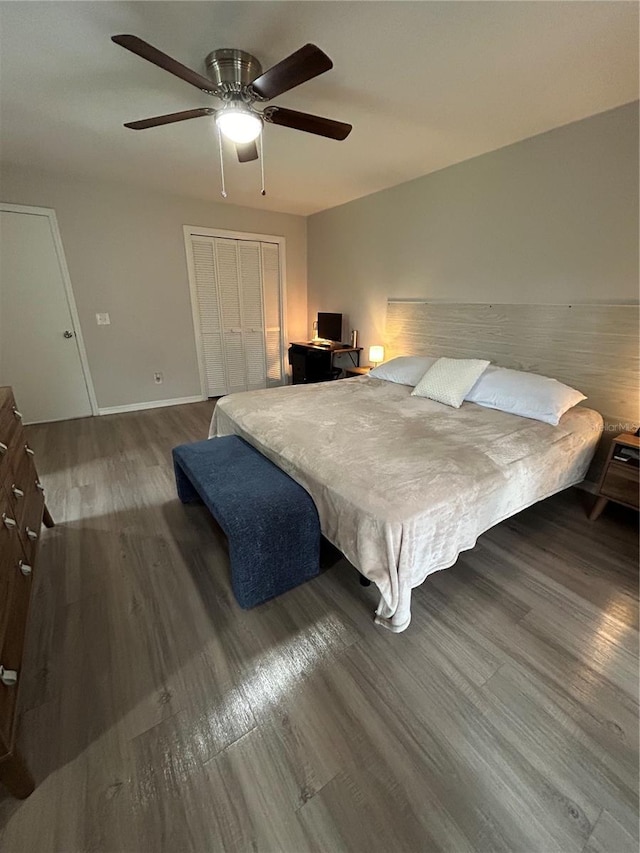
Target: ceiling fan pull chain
[
  {"x": 224, "y": 191},
  {"x": 262, "y": 191}
]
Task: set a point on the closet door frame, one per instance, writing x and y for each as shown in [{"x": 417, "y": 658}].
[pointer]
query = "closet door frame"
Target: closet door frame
[{"x": 196, "y": 231}]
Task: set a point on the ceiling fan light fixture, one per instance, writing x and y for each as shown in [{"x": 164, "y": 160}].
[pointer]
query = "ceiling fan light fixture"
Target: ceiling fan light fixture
[{"x": 238, "y": 124}]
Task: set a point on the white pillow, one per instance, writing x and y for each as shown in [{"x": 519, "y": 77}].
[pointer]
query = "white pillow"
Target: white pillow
[
  {"x": 526, "y": 394},
  {"x": 405, "y": 370},
  {"x": 449, "y": 380}
]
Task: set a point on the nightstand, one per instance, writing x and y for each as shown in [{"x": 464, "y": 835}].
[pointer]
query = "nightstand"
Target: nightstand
[
  {"x": 619, "y": 481},
  {"x": 355, "y": 371}
]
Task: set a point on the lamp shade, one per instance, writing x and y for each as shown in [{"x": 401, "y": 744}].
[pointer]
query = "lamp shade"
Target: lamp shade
[{"x": 376, "y": 354}]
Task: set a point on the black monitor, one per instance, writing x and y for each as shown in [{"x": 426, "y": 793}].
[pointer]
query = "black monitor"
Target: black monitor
[{"x": 330, "y": 326}]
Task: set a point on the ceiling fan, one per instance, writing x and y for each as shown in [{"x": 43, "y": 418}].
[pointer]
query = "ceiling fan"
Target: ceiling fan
[{"x": 237, "y": 79}]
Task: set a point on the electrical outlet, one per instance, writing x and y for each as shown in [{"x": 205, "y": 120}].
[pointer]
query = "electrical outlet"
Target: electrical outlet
[
  {"x": 103, "y": 320},
  {"x": 157, "y": 377}
]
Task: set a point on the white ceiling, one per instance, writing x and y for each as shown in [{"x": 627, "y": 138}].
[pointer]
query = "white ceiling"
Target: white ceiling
[{"x": 425, "y": 84}]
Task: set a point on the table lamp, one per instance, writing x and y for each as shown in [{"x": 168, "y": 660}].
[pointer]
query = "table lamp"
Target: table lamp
[{"x": 376, "y": 355}]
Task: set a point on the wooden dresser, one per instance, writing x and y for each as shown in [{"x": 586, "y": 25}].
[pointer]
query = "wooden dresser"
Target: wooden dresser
[{"x": 22, "y": 513}]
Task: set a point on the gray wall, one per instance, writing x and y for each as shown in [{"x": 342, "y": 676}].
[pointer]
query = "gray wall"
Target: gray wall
[
  {"x": 551, "y": 219},
  {"x": 125, "y": 252}
]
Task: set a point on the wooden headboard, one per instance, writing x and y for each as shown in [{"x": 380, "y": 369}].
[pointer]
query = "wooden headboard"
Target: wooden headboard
[{"x": 591, "y": 347}]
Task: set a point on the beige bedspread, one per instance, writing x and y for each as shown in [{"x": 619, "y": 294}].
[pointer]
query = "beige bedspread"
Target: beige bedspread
[{"x": 403, "y": 484}]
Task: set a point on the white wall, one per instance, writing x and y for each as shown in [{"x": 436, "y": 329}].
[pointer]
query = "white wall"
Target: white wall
[
  {"x": 551, "y": 219},
  {"x": 125, "y": 251}
]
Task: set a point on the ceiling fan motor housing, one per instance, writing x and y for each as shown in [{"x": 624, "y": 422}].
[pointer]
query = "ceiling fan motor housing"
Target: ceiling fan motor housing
[{"x": 232, "y": 69}]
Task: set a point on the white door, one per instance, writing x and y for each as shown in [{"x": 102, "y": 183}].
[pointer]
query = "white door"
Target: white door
[{"x": 39, "y": 354}]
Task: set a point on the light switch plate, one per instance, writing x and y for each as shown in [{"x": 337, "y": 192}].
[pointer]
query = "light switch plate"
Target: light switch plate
[{"x": 103, "y": 320}]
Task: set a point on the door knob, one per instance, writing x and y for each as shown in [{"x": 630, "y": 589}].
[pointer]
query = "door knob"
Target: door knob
[{"x": 68, "y": 334}]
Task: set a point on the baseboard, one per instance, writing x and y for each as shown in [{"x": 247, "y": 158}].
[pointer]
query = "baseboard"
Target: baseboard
[
  {"x": 56, "y": 420},
  {"x": 151, "y": 404}
]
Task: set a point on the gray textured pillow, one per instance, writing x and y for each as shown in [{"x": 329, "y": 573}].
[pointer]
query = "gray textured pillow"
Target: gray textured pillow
[{"x": 449, "y": 380}]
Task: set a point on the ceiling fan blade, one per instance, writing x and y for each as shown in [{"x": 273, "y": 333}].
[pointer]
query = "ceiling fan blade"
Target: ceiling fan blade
[
  {"x": 307, "y": 122},
  {"x": 246, "y": 151},
  {"x": 152, "y": 54},
  {"x": 156, "y": 121},
  {"x": 301, "y": 66}
]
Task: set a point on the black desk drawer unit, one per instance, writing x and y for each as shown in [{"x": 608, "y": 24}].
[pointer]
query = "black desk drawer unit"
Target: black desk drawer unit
[{"x": 313, "y": 363}]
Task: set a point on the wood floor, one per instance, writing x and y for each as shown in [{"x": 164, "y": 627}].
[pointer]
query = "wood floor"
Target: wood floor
[{"x": 158, "y": 716}]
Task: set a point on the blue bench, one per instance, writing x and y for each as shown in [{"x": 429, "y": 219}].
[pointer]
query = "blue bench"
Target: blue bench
[{"x": 270, "y": 521}]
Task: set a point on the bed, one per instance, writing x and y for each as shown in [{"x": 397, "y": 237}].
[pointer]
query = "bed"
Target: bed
[{"x": 404, "y": 484}]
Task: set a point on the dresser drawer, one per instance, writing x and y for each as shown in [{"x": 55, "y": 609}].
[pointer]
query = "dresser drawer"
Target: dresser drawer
[
  {"x": 27, "y": 508},
  {"x": 621, "y": 483},
  {"x": 11, "y": 432},
  {"x": 9, "y": 530},
  {"x": 15, "y": 571},
  {"x": 21, "y": 513},
  {"x": 31, "y": 524},
  {"x": 22, "y": 482},
  {"x": 10, "y": 542},
  {"x": 15, "y": 590},
  {"x": 10, "y": 555},
  {"x": 6, "y": 585},
  {"x": 15, "y": 623}
]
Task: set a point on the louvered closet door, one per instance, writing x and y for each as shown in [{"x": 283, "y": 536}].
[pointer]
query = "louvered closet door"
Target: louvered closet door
[
  {"x": 239, "y": 312},
  {"x": 206, "y": 282},
  {"x": 229, "y": 290},
  {"x": 272, "y": 312},
  {"x": 249, "y": 262}
]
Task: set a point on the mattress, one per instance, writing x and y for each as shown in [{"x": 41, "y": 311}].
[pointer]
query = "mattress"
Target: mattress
[{"x": 403, "y": 484}]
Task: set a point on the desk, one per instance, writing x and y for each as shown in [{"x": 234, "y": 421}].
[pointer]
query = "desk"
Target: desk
[{"x": 312, "y": 362}]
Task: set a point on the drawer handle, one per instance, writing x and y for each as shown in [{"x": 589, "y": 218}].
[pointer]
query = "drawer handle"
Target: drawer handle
[
  {"x": 25, "y": 568},
  {"x": 17, "y": 413},
  {"x": 29, "y": 450},
  {"x": 8, "y": 676},
  {"x": 17, "y": 493},
  {"x": 31, "y": 534},
  {"x": 9, "y": 523},
  {"x": 39, "y": 485},
  {"x": 3, "y": 448}
]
